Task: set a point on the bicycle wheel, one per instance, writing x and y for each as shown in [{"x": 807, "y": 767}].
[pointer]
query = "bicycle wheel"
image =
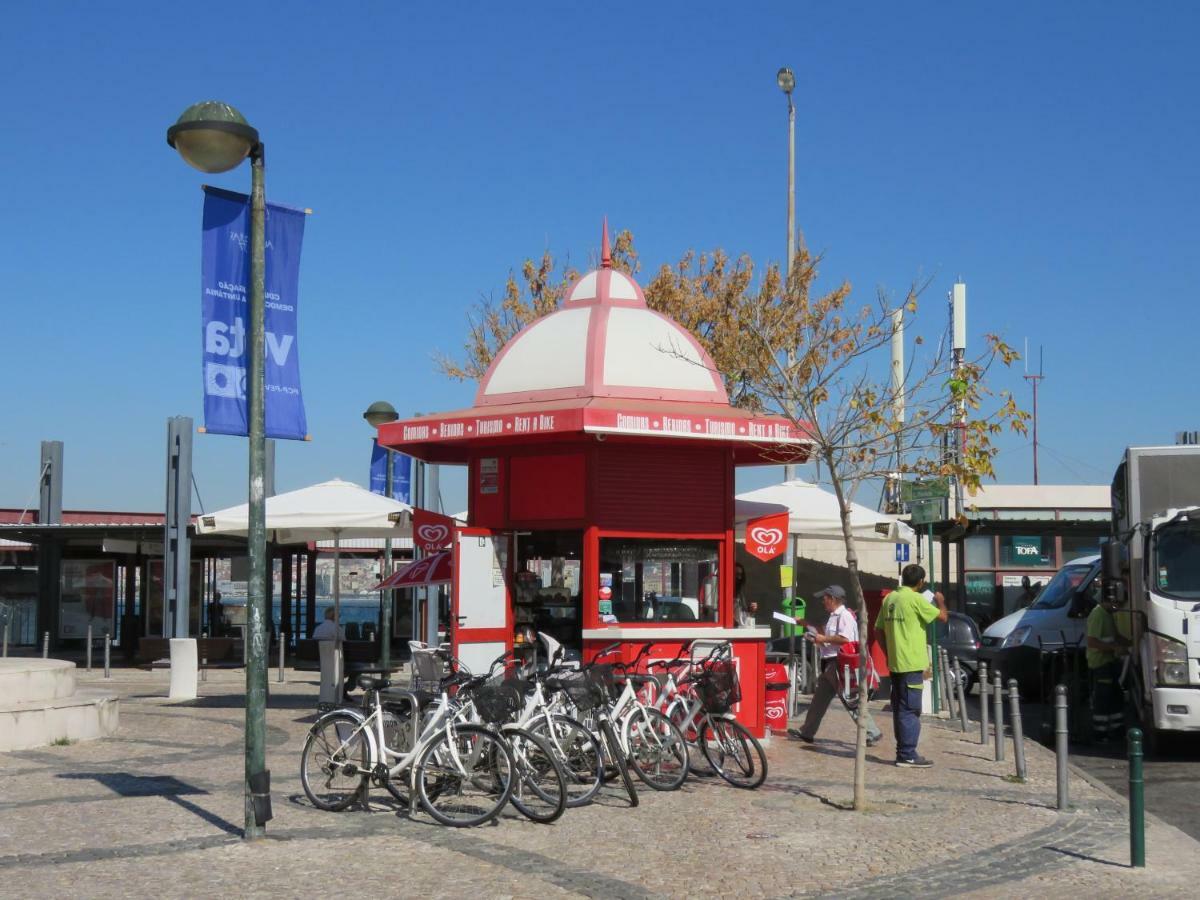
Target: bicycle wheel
[
  {"x": 616, "y": 754},
  {"x": 398, "y": 738},
  {"x": 733, "y": 752},
  {"x": 657, "y": 751},
  {"x": 464, "y": 776},
  {"x": 333, "y": 764},
  {"x": 579, "y": 753},
  {"x": 677, "y": 712},
  {"x": 539, "y": 789}
]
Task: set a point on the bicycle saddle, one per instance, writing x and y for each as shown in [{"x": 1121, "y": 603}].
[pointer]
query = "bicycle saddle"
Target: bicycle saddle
[{"x": 371, "y": 683}]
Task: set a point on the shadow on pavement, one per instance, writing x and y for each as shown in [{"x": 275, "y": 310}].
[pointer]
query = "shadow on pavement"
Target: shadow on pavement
[
  {"x": 166, "y": 786},
  {"x": 1029, "y": 803},
  {"x": 238, "y": 701},
  {"x": 1085, "y": 857},
  {"x": 983, "y": 774}
]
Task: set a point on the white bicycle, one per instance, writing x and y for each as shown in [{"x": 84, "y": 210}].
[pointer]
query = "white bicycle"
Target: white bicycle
[
  {"x": 653, "y": 746},
  {"x": 462, "y": 774}
]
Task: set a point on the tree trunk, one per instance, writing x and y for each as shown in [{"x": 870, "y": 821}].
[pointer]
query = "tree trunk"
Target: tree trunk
[{"x": 864, "y": 634}]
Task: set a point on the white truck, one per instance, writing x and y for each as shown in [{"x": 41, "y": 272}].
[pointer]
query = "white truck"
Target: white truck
[{"x": 1156, "y": 522}]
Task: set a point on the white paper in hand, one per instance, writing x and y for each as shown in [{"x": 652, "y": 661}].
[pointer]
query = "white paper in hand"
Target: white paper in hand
[{"x": 784, "y": 618}]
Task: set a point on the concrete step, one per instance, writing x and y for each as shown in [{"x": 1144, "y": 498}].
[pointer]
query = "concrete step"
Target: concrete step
[
  {"x": 86, "y": 715},
  {"x": 24, "y": 680}
]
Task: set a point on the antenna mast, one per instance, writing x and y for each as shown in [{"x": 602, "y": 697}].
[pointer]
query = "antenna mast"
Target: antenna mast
[{"x": 1034, "y": 379}]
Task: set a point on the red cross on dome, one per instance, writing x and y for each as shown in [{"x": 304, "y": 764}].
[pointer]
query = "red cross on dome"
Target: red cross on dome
[{"x": 604, "y": 342}]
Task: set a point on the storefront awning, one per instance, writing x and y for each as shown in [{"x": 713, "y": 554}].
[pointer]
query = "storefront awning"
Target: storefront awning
[{"x": 447, "y": 437}]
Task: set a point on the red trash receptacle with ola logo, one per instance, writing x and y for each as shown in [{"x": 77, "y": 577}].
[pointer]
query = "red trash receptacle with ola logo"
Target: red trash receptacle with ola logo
[{"x": 776, "y": 677}]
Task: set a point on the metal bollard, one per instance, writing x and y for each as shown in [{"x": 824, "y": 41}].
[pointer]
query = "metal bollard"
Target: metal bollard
[
  {"x": 998, "y": 714},
  {"x": 804, "y": 667},
  {"x": 1014, "y": 712},
  {"x": 1137, "y": 802},
  {"x": 961, "y": 694},
  {"x": 282, "y": 645},
  {"x": 940, "y": 669},
  {"x": 107, "y": 655},
  {"x": 45, "y": 645},
  {"x": 1061, "y": 734},
  {"x": 6, "y": 639},
  {"x": 846, "y": 681},
  {"x": 948, "y": 681},
  {"x": 984, "y": 687},
  {"x": 89, "y": 648},
  {"x": 204, "y": 658}
]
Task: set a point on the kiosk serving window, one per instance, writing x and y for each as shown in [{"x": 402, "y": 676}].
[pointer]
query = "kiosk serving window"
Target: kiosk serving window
[
  {"x": 547, "y": 595},
  {"x": 659, "y": 580}
]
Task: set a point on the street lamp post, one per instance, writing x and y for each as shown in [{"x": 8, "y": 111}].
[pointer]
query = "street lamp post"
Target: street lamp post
[
  {"x": 214, "y": 137},
  {"x": 787, "y": 83},
  {"x": 381, "y": 413}
]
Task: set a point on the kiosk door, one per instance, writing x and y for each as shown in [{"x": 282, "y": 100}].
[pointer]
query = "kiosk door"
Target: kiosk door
[{"x": 481, "y": 608}]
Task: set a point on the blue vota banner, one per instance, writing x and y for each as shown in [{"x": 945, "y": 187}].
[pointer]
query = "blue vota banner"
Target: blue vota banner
[
  {"x": 401, "y": 473},
  {"x": 225, "y": 277}
]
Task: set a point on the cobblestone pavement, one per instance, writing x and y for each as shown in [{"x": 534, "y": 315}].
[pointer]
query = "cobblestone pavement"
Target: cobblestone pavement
[{"x": 157, "y": 812}]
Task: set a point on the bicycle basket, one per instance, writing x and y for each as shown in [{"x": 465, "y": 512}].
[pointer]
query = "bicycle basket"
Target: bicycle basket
[
  {"x": 604, "y": 678},
  {"x": 583, "y": 692},
  {"x": 496, "y": 703},
  {"x": 718, "y": 687}
]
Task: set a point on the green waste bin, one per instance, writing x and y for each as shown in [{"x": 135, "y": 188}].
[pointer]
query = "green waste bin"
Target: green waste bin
[{"x": 794, "y": 607}]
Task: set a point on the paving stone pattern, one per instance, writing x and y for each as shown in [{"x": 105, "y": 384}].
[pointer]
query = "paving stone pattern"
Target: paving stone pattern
[{"x": 157, "y": 812}]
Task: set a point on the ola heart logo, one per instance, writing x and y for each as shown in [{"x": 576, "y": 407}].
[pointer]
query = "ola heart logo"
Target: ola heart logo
[
  {"x": 432, "y": 535},
  {"x": 768, "y": 537},
  {"x": 775, "y": 711}
]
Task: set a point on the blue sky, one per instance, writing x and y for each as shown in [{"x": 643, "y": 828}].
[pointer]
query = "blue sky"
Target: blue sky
[{"x": 1045, "y": 153}]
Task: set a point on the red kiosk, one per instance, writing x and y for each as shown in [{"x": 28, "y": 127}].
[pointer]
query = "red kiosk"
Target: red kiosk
[{"x": 601, "y": 453}]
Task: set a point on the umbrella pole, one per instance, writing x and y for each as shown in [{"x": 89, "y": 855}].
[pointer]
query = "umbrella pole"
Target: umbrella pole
[
  {"x": 337, "y": 589},
  {"x": 338, "y": 661}
]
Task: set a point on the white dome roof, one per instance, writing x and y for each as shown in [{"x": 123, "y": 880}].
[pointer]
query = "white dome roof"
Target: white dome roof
[{"x": 604, "y": 342}]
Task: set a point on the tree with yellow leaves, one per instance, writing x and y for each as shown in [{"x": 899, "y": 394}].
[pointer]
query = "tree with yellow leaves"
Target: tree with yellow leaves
[{"x": 828, "y": 368}]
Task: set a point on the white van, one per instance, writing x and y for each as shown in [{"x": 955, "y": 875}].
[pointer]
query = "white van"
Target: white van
[{"x": 1058, "y": 614}]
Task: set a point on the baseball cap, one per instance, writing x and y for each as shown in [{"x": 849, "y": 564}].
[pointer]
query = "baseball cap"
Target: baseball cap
[{"x": 834, "y": 591}]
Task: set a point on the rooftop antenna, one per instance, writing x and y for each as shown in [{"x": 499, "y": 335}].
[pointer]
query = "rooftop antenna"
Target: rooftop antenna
[{"x": 1034, "y": 379}]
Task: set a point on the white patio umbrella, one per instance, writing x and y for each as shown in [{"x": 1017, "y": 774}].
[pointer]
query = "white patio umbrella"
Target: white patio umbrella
[
  {"x": 330, "y": 510},
  {"x": 813, "y": 513}
]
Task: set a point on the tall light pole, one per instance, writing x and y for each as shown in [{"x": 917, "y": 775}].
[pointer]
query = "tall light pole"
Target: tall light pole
[
  {"x": 787, "y": 83},
  {"x": 214, "y": 137},
  {"x": 381, "y": 413}
]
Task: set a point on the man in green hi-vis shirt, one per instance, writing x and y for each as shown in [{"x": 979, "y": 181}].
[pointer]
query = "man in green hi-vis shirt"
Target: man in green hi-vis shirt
[{"x": 901, "y": 625}]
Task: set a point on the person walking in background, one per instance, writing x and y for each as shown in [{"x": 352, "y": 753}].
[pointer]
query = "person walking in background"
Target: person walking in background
[
  {"x": 841, "y": 628},
  {"x": 902, "y": 620}
]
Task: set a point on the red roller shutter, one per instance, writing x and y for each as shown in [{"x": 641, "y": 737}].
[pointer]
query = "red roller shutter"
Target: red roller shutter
[{"x": 671, "y": 490}]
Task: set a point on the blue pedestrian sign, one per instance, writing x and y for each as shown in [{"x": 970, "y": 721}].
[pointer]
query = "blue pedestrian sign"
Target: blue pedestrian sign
[{"x": 902, "y": 553}]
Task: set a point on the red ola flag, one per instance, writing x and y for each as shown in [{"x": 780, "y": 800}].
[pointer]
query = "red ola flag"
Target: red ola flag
[
  {"x": 766, "y": 536},
  {"x": 431, "y": 531}
]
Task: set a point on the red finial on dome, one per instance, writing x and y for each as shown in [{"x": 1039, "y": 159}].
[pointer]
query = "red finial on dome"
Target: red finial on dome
[{"x": 605, "y": 252}]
